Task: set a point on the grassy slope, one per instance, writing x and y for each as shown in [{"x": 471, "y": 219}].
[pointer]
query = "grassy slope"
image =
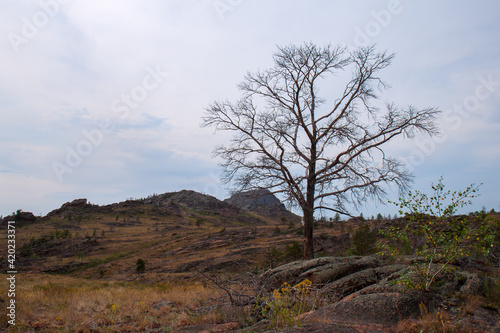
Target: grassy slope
[{"x": 93, "y": 283}]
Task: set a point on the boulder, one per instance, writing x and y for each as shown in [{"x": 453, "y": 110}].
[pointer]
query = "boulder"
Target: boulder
[
  {"x": 21, "y": 217},
  {"x": 262, "y": 202},
  {"x": 364, "y": 297},
  {"x": 349, "y": 284},
  {"x": 77, "y": 203},
  {"x": 319, "y": 271},
  {"x": 475, "y": 284},
  {"x": 290, "y": 272},
  {"x": 378, "y": 312}
]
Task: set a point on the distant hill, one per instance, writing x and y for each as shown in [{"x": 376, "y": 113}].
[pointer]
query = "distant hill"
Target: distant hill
[
  {"x": 175, "y": 232},
  {"x": 193, "y": 200},
  {"x": 262, "y": 202},
  {"x": 188, "y": 202}
]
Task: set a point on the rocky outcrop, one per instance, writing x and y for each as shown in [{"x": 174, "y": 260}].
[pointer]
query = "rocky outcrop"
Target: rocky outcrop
[
  {"x": 262, "y": 202},
  {"x": 193, "y": 200},
  {"x": 77, "y": 203},
  {"x": 72, "y": 208},
  {"x": 21, "y": 217},
  {"x": 319, "y": 271},
  {"x": 362, "y": 292},
  {"x": 378, "y": 312}
]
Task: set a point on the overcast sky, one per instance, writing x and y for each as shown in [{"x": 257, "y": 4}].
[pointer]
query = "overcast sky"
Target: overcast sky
[{"x": 103, "y": 99}]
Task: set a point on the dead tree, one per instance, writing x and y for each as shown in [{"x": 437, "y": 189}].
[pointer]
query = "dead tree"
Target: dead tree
[{"x": 318, "y": 153}]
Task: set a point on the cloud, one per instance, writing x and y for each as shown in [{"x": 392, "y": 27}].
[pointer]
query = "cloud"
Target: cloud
[
  {"x": 37, "y": 193},
  {"x": 64, "y": 83}
]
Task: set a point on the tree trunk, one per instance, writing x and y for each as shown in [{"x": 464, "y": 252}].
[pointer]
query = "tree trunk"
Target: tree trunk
[
  {"x": 308, "y": 209},
  {"x": 308, "y": 233}
]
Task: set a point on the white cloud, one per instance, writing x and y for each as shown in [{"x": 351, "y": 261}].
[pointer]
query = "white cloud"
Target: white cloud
[
  {"x": 65, "y": 80},
  {"x": 37, "y": 194}
]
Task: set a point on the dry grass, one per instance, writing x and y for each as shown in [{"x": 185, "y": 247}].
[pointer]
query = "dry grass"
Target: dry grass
[
  {"x": 438, "y": 322},
  {"x": 442, "y": 321},
  {"x": 103, "y": 293},
  {"x": 58, "y": 303}
]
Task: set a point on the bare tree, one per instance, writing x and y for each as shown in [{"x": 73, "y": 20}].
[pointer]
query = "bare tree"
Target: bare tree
[{"x": 318, "y": 156}]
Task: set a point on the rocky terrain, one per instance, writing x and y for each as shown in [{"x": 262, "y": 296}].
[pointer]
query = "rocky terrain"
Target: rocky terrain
[
  {"x": 262, "y": 202},
  {"x": 245, "y": 248},
  {"x": 364, "y": 296}
]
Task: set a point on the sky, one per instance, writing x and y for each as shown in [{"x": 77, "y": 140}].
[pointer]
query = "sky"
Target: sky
[{"x": 103, "y": 99}]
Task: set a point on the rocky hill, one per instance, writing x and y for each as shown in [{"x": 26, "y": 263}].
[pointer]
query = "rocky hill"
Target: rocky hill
[
  {"x": 262, "y": 202},
  {"x": 231, "y": 256}
]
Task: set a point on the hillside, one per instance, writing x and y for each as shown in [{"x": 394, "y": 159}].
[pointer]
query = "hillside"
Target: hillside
[
  {"x": 262, "y": 202},
  {"x": 177, "y": 232},
  {"x": 204, "y": 260}
]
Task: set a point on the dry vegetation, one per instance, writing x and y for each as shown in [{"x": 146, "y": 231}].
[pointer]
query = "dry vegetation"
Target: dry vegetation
[
  {"x": 60, "y": 303},
  {"x": 79, "y": 275}
]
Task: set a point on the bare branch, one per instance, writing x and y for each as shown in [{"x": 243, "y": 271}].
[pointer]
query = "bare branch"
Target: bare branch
[{"x": 318, "y": 157}]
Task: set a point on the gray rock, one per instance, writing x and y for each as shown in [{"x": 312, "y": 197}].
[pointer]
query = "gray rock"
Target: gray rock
[
  {"x": 262, "y": 202},
  {"x": 334, "y": 271},
  {"x": 475, "y": 285},
  {"x": 290, "y": 272},
  {"x": 21, "y": 217},
  {"x": 349, "y": 284},
  {"x": 382, "y": 311}
]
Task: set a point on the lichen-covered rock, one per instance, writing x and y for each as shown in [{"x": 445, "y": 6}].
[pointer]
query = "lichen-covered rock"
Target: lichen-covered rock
[
  {"x": 365, "y": 295},
  {"x": 374, "y": 312},
  {"x": 475, "y": 285},
  {"x": 334, "y": 271},
  {"x": 290, "y": 272},
  {"x": 320, "y": 271},
  {"x": 348, "y": 284}
]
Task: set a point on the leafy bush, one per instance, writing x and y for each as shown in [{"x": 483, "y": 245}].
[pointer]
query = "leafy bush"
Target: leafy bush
[{"x": 431, "y": 230}]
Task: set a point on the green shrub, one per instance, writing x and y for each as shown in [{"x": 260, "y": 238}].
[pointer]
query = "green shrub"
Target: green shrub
[
  {"x": 272, "y": 257},
  {"x": 342, "y": 227},
  {"x": 363, "y": 241},
  {"x": 431, "y": 230},
  {"x": 294, "y": 251},
  {"x": 140, "y": 266}
]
